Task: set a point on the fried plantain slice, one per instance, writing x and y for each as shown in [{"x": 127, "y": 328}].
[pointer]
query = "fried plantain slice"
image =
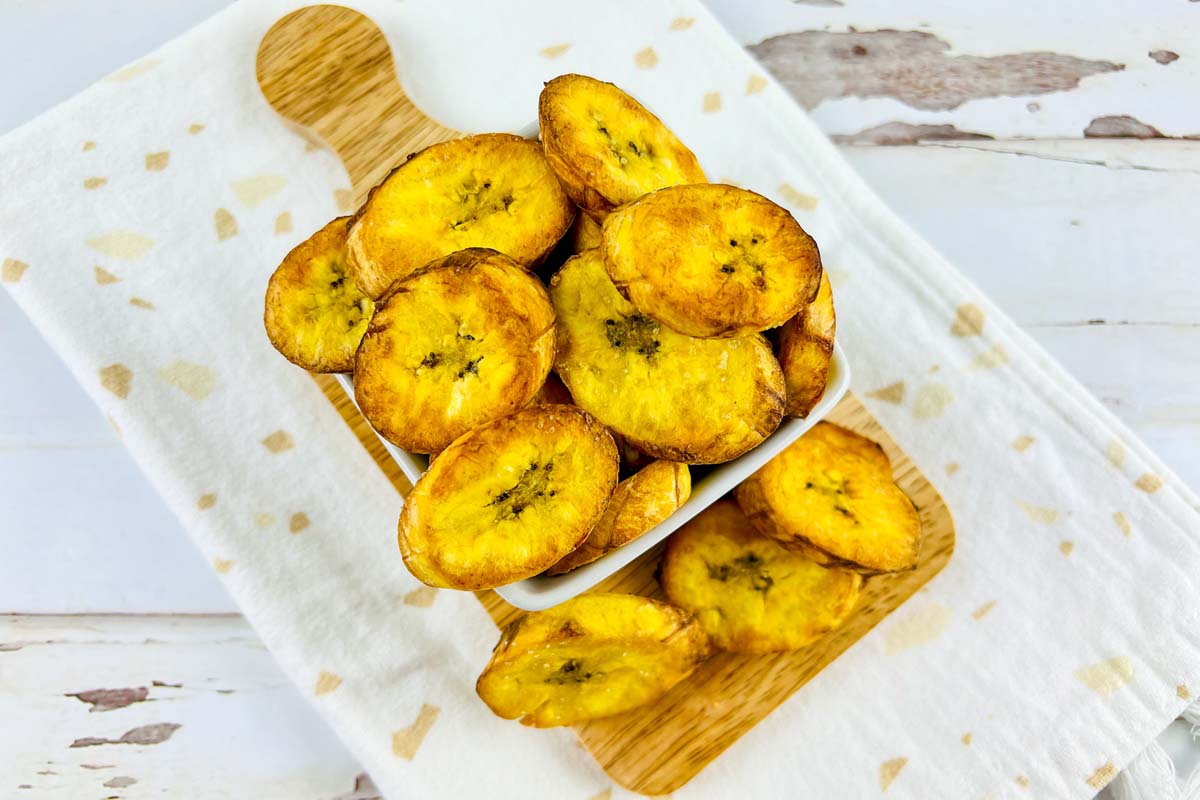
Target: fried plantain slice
[
  {"x": 466, "y": 339},
  {"x": 591, "y": 657},
  {"x": 606, "y": 148},
  {"x": 699, "y": 401},
  {"x": 711, "y": 259},
  {"x": 508, "y": 499},
  {"x": 640, "y": 502},
  {"x": 805, "y": 348},
  {"x": 492, "y": 190},
  {"x": 314, "y": 313},
  {"x": 750, "y": 594},
  {"x": 830, "y": 496}
]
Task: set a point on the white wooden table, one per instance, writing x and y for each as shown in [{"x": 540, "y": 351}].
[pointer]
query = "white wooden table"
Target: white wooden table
[{"x": 1090, "y": 243}]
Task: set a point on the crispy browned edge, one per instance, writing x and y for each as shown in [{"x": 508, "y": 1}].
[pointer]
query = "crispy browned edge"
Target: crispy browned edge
[{"x": 804, "y": 387}]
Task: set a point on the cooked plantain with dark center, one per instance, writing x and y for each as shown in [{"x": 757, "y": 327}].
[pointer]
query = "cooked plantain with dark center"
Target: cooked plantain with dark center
[
  {"x": 492, "y": 190},
  {"x": 640, "y": 502},
  {"x": 591, "y": 657},
  {"x": 711, "y": 260},
  {"x": 508, "y": 499},
  {"x": 750, "y": 594},
  {"x": 606, "y": 148},
  {"x": 830, "y": 496},
  {"x": 698, "y": 401},
  {"x": 465, "y": 340},
  {"x": 314, "y": 313},
  {"x": 805, "y": 348}
]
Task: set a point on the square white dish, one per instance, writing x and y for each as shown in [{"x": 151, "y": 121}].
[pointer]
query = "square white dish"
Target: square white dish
[{"x": 709, "y": 484}]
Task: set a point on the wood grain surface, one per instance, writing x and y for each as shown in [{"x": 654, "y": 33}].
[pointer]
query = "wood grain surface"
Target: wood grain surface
[{"x": 329, "y": 69}]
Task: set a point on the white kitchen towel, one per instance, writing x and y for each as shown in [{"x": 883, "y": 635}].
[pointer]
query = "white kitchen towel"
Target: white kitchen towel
[{"x": 139, "y": 223}]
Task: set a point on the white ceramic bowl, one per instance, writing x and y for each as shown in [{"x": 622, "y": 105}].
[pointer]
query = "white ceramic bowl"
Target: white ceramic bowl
[{"x": 709, "y": 485}]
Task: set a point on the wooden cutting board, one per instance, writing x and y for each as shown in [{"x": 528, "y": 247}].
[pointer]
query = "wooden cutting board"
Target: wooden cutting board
[{"x": 328, "y": 71}]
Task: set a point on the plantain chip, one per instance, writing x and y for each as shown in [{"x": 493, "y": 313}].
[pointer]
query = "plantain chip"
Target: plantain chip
[
  {"x": 640, "y": 502},
  {"x": 465, "y": 340},
  {"x": 711, "y": 259},
  {"x": 805, "y": 348},
  {"x": 830, "y": 496},
  {"x": 508, "y": 499},
  {"x": 606, "y": 148},
  {"x": 698, "y": 401},
  {"x": 314, "y": 313},
  {"x": 591, "y": 657},
  {"x": 492, "y": 190},
  {"x": 750, "y": 594}
]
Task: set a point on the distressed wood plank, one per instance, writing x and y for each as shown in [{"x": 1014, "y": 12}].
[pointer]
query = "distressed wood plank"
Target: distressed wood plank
[
  {"x": 1044, "y": 77},
  {"x": 1056, "y": 233},
  {"x": 243, "y": 729}
]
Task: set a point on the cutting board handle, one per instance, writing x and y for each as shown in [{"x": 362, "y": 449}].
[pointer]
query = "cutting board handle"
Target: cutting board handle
[{"x": 328, "y": 70}]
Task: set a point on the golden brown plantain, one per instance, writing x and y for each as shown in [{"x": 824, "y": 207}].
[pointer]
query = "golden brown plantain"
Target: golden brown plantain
[
  {"x": 492, "y": 190},
  {"x": 830, "y": 496},
  {"x": 591, "y": 657},
  {"x": 711, "y": 259},
  {"x": 805, "y": 348},
  {"x": 750, "y": 594},
  {"x": 465, "y": 340},
  {"x": 606, "y": 148},
  {"x": 508, "y": 499},
  {"x": 699, "y": 401},
  {"x": 314, "y": 313},
  {"x": 640, "y": 502}
]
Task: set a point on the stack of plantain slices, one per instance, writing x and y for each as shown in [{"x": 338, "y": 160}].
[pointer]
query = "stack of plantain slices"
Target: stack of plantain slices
[
  {"x": 676, "y": 324},
  {"x": 784, "y": 564}
]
